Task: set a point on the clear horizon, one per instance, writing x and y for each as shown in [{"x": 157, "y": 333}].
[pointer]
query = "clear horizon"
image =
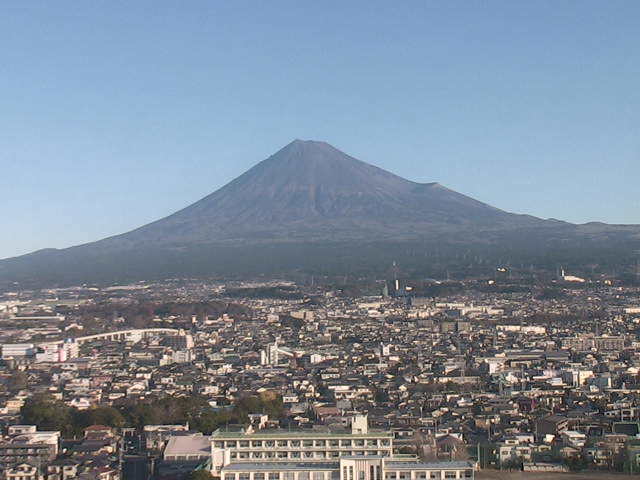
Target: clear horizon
[{"x": 117, "y": 115}]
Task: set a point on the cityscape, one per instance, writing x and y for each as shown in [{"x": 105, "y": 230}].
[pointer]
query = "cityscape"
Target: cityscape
[{"x": 278, "y": 380}]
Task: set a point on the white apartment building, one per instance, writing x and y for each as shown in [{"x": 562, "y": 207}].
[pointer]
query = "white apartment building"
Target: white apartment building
[
  {"x": 350, "y": 468},
  {"x": 358, "y": 454},
  {"x": 247, "y": 445}
]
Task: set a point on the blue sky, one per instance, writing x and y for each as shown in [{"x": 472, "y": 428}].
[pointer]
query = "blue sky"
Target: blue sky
[{"x": 114, "y": 114}]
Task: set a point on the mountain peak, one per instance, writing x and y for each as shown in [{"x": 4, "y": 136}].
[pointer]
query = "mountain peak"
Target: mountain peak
[
  {"x": 299, "y": 141},
  {"x": 309, "y": 150},
  {"x": 316, "y": 165}
]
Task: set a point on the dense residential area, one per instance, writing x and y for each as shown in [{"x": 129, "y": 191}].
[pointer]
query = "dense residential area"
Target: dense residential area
[{"x": 390, "y": 380}]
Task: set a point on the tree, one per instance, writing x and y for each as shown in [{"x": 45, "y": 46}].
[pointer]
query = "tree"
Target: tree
[
  {"x": 380, "y": 395},
  {"x": 512, "y": 464},
  {"x": 425, "y": 447},
  {"x": 47, "y": 414},
  {"x": 108, "y": 416},
  {"x": 575, "y": 464},
  {"x": 461, "y": 453},
  {"x": 17, "y": 381},
  {"x": 200, "y": 475}
]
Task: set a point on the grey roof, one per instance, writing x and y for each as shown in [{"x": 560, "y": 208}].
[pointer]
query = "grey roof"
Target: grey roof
[{"x": 188, "y": 445}]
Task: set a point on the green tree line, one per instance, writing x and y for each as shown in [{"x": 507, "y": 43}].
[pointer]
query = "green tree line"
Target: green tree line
[{"x": 49, "y": 413}]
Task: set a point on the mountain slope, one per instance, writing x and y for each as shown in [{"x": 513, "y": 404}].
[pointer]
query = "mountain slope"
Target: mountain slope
[
  {"x": 312, "y": 191},
  {"x": 312, "y": 207}
]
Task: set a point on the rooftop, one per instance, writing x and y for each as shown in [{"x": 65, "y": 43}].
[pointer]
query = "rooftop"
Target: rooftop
[
  {"x": 280, "y": 466},
  {"x": 188, "y": 445},
  {"x": 279, "y": 434}
]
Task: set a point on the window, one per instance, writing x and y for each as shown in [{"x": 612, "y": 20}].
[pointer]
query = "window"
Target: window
[
  {"x": 244, "y": 444},
  {"x": 321, "y": 455},
  {"x": 320, "y": 443},
  {"x": 404, "y": 476},
  {"x": 229, "y": 476},
  {"x": 231, "y": 444},
  {"x": 303, "y": 475},
  {"x": 258, "y": 476},
  {"x": 318, "y": 475},
  {"x": 450, "y": 474},
  {"x": 256, "y": 443},
  {"x": 307, "y": 443},
  {"x": 359, "y": 443},
  {"x": 289, "y": 475},
  {"x": 361, "y": 475},
  {"x": 281, "y": 454},
  {"x": 295, "y": 454},
  {"x": 434, "y": 475},
  {"x": 334, "y": 443},
  {"x": 243, "y": 476},
  {"x": 345, "y": 443},
  {"x": 218, "y": 444},
  {"x": 281, "y": 443},
  {"x": 295, "y": 443},
  {"x": 390, "y": 476},
  {"x": 468, "y": 473},
  {"x": 274, "y": 476},
  {"x": 421, "y": 475},
  {"x": 234, "y": 455}
]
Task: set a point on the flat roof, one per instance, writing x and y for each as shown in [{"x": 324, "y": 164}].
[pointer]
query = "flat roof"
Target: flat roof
[
  {"x": 279, "y": 466},
  {"x": 188, "y": 445},
  {"x": 279, "y": 434},
  {"x": 389, "y": 465},
  {"x": 427, "y": 465}
]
